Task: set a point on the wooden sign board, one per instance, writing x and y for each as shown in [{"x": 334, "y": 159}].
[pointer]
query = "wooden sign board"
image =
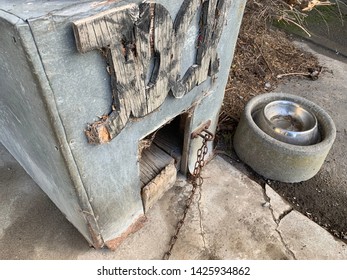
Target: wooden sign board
[{"x": 132, "y": 36}]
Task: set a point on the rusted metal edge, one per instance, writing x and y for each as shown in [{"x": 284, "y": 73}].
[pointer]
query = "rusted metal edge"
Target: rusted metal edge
[
  {"x": 97, "y": 133},
  {"x": 137, "y": 225},
  {"x": 200, "y": 129}
]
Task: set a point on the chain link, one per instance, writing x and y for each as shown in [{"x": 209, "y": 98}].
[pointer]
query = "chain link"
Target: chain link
[{"x": 196, "y": 181}]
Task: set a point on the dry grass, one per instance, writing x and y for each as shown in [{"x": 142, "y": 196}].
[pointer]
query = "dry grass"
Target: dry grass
[{"x": 261, "y": 54}]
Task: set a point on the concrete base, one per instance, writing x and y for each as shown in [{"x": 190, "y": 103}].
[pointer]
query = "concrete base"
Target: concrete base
[
  {"x": 275, "y": 159},
  {"x": 232, "y": 217}
]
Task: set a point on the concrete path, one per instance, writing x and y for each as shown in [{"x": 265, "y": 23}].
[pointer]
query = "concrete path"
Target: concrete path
[{"x": 232, "y": 217}]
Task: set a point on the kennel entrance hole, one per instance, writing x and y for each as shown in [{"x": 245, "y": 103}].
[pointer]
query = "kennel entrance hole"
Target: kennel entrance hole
[{"x": 161, "y": 157}]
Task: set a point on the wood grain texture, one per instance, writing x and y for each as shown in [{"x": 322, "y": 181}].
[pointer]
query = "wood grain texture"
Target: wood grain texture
[
  {"x": 182, "y": 22},
  {"x": 159, "y": 30},
  {"x": 156, "y": 188},
  {"x": 143, "y": 50},
  {"x": 153, "y": 160},
  {"x": 212, "y": 18},
  {"x": 101, "y": 30}
]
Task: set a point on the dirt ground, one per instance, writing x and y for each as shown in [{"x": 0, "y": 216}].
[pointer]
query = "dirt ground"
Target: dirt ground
[{"x": 261, "y": 55}]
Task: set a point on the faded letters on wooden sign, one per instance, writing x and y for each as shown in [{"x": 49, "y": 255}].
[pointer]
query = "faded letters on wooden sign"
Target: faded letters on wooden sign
[{"x": 137, "y": 38}]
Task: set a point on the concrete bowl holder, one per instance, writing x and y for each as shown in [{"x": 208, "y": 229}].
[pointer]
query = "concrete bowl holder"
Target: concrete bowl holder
[{"x": 275, "y": 159}]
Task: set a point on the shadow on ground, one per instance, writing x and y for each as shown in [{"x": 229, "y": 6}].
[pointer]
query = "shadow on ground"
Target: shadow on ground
[{"x": 30, "y": 222}]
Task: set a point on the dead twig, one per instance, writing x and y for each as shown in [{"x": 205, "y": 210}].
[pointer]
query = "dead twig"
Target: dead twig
[
  {"x": 280, "y": 76},
  {"x": 266, "y": 62},
  {"x": 297, "y": 24},
  {"x": 315, "y": 3},
  {"x": 313, "y": 74}
]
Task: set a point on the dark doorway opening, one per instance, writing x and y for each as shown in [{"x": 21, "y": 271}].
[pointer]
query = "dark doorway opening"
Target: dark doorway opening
[{"x": 162, "y": 155}]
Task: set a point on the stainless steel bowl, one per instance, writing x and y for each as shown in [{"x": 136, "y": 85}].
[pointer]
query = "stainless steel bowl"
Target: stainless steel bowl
[{"x": 288, "y": 122}]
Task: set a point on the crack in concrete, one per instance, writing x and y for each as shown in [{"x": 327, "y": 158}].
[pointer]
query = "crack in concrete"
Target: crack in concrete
[
  {"x": 277, "y": 222},
  {"x": 200, "y": 220},
  {"x": 285, "y": 213},
  {"x": 285, "y": 244}
]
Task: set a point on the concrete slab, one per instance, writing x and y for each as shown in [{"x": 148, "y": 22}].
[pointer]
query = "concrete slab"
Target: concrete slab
[
  {"x": 228, "y": 220},
  {"x": 277, "y": 204},
  {"x": 307, "y": 240}
]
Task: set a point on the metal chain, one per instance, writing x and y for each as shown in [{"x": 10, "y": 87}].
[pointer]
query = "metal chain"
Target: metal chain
[{"x": 196, "y": 182}]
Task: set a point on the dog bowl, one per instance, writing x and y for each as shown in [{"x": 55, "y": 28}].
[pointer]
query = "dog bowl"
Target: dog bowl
[
  {"x": 278, "y": 160},
  {"x": 289, "y": 122}
]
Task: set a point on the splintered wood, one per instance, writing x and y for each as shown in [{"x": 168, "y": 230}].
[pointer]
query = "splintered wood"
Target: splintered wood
[
  {"x": 157, "y": 174},
  {"x": 156, "y": 188},
  {"x": 152, "y": 162},
  {"x": 141, "y": 39}
]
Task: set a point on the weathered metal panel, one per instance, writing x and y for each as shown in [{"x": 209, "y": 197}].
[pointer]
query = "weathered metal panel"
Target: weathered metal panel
[
  {"x": 28, "y": 128},
  {"x": 79, "y": 89}
]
